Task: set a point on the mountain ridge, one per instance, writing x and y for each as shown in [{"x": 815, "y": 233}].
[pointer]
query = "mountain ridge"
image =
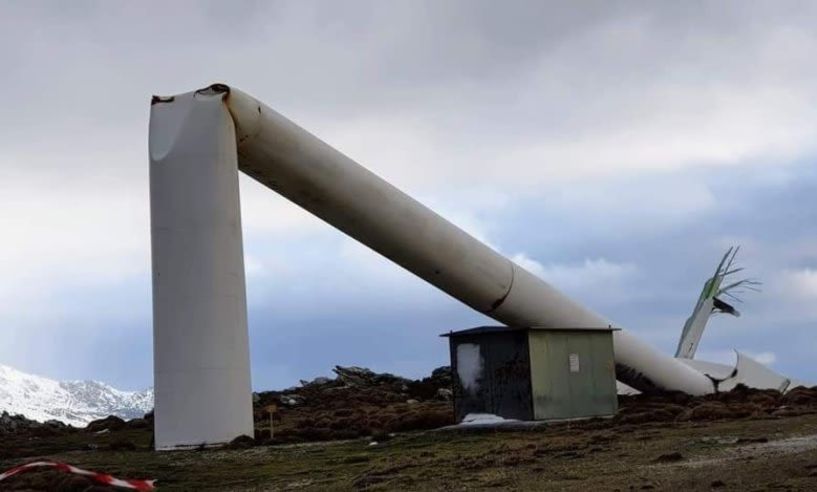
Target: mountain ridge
[{"x": 72, "y": 402}]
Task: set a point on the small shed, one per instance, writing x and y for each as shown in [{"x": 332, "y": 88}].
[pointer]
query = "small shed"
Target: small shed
[{"x": 529, "y": 373}]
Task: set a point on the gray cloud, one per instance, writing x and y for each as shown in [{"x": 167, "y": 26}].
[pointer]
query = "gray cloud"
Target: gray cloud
[{"x": 592, "y": 138}]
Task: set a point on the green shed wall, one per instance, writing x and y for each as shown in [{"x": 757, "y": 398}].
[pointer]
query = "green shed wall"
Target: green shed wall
[{"x": 559, "y": 393}]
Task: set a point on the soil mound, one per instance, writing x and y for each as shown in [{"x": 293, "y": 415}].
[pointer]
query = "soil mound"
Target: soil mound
[{"x": 739, "y": 403}]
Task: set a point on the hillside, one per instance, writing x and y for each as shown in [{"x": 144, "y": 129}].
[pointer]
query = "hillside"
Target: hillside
[{"x": 362, "y": 430}]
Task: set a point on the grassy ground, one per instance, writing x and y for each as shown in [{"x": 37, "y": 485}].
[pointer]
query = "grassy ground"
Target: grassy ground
[{"x": 746, "y": 454}]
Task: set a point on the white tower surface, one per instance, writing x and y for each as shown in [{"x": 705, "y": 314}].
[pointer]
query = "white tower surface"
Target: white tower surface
[
  {"x": 200, "y": 342},
  {"x": 202, "y": 374}
]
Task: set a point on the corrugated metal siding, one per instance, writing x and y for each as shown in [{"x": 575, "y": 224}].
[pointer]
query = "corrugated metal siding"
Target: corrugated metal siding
[
  {"x": 559, "y": 393},
  {"x": 504, "y": 383}
]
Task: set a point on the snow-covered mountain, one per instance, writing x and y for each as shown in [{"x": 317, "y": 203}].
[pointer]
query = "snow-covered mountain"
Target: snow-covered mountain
[{"x": 73, "y": 402}]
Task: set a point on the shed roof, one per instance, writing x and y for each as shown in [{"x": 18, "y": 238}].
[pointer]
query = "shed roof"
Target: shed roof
[{"x": 480, "y": 330}]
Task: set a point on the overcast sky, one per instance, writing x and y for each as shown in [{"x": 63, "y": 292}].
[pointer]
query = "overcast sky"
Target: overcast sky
[{"x": 616, "y": 151}]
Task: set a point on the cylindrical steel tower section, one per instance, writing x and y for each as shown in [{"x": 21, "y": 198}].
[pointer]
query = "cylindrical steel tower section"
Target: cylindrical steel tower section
[
  {"x": 200, "y": 343},
  {"x": 307, "y": 171}
]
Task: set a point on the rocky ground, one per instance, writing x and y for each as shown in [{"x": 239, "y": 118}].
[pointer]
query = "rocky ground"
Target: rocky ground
[
  {"x": 362, "y": 430},
  {"x": 356, "y": 403}
]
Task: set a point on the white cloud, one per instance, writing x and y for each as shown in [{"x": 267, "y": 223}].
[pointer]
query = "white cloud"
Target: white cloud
[
  {"x": 80, "y": 231},
  {"x": 792, "y": 294},
  {"x": 620, "y": 97},
  {"x": 485, "y": 107},
  {"x": 594, "y": 280},
  {"x": 766, "y": 358},
  {"x": 592, "y": 272},
  {"x": 529, "y": 264},
  {"x": 253, "y": 267},
  {"x": 802, "y": 284},
  {"x": 264, "y": 212}
]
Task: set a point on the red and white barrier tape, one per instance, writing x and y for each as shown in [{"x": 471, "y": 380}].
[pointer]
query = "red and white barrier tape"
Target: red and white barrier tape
[{"x": 102, "y": 478}]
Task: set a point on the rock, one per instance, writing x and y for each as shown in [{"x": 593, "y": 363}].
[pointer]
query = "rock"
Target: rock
[
  {"x": 412, "y": 402},
  {"x": 291, "y": 400},
  {"x": 16, "y": 423},
  {"x": 137, "y": 424},
  {"x": 354, "y": 375},
  {"x": 800, "y": 396},
  {"x": 442, "y": 373},
  {"x": 241, "y": 442},
  {"x": 445, "y": 394},
  {"x": 361, "y": 376},
  {"x": 316, "y": 382},
  {"x": 110, "y": 423}
]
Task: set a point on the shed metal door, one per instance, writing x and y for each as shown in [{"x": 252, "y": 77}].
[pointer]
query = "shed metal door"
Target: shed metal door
[{"x": 503, "y": 386}]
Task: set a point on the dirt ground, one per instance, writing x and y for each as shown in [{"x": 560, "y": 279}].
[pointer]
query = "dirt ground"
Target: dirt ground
[{"x": 769, "y": 453}]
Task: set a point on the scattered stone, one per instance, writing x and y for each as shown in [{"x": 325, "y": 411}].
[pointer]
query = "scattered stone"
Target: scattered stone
[
  {"x": 16, "y": 423},
  {"x": 316, "y": 382},
  {"x": 361, "y": 376},
  {"x": 111, "y": 423},
  {"x": 291, "y": 400},
  {"x": 137, "y": 424},
  {"x": 800, "y": 396},
  {"x": 445, "y": 394},
  {"x": 241, "y": 442}
]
